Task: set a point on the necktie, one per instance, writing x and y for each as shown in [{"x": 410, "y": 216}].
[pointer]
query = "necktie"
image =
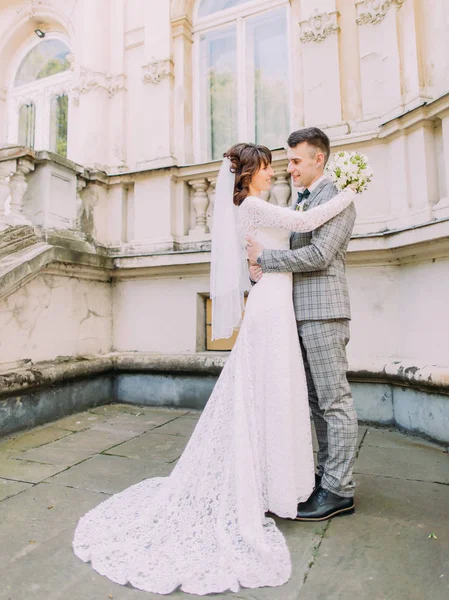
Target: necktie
[{"x": 302, "y": 196}]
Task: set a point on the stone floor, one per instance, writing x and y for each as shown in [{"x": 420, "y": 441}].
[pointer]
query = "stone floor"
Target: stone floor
[{"x": 395, "y": 547}]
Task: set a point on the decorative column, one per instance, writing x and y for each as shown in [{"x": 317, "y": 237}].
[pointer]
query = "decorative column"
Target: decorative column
[
  {"x": 349, "y": 60},
  {"x": 322, "y": 104},
  {"x": 200, "y": 202},
  {"x": 183, "y": 90},
  {"x": 281, "y": 188},
  {"x": 117, "y": 86},
  {"x": 379, "y": 59},
  {"x": 18, "y": 186},
  {"x": 414, "y": 77},
  {"x": 442, "y": 208}
]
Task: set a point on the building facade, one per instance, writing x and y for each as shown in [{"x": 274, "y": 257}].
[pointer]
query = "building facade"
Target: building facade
[{"x": 113, "y": 117}]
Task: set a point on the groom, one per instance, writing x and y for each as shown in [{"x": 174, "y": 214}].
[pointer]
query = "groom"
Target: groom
[{"x": 321, "y": 300}]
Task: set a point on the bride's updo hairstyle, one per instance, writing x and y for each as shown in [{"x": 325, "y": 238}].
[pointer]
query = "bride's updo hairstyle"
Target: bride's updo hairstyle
[{"x": 246, "y": 161}]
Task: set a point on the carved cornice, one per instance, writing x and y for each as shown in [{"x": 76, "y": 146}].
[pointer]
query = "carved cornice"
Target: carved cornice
[
  {"x": 31, "y": 6},
  {"x": 93, "y": 80},
  {"x": 374, "y": 11},
  {"x": 319, "y": 26},
  {"x": 157, "y": 70}
]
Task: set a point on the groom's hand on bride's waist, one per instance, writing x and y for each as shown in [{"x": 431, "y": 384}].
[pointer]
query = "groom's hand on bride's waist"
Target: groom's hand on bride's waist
[
  {"x": 255, "y": 273},
  {"x": 254, "y": 250}
]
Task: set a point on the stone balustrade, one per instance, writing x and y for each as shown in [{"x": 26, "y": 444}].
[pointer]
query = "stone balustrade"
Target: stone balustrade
[
  {"x": 51, "y": 193},
  {"x": 201, "y": 181},
  {"x": 37, "y": 188}
]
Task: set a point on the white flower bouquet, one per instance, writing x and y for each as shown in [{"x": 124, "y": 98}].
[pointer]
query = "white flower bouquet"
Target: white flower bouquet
[{"x": 349, "y": 168}]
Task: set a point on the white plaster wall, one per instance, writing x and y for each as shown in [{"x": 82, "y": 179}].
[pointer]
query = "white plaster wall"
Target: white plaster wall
[
  {"x": 423, "y": 299},
  {"x": 152, "y": 207},
  {"x": 374, "y": 304},
  {"x": 55, "y": 316},
  {"x": 158, "y": 315}
]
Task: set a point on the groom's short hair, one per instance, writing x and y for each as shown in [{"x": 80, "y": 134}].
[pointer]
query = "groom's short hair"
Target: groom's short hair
[{"x": 314, "y": 137}]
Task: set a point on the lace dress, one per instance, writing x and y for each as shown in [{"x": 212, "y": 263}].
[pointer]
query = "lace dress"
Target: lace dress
[{"x": 203, "y": 529}]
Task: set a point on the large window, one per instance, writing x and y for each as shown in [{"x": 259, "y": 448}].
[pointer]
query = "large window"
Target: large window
[
  {"x": 38, "y": 114},
  {"x": 243, "y": 89}
]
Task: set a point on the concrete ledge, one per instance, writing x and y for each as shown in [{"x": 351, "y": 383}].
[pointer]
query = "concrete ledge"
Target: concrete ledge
[
  {"x": 33, "y": 408},
  {"x": 413, "y": 398}
]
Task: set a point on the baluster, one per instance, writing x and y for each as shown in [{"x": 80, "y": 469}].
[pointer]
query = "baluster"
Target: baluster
[
  {"x": 281, "y": 188},
  {"x": 200, "y": 201},
  {"x": 18, "y": 186}
]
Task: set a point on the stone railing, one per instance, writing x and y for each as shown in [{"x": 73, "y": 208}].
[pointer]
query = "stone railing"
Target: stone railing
[
  {"x": 201, "y": 181},
  {"x": 38, "y": 189},
  {"x": 126, "y": 214}
]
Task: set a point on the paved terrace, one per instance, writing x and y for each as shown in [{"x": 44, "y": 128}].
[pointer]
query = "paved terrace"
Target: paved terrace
[{"x": 395, "y": 547}]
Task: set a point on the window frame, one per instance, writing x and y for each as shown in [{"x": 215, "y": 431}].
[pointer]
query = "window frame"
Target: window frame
[
  {"x": 232, "y": 16},
  {"x": 40, "y": 93}
]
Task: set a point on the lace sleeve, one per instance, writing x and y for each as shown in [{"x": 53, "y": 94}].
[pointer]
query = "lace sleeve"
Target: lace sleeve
[{"x": 258, "y": 213}]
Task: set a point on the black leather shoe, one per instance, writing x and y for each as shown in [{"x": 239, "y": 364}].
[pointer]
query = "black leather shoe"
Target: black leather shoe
[{"x": 323, "y": 505}]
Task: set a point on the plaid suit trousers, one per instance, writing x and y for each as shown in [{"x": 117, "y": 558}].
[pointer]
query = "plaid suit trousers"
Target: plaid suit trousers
[{"x": 323, "y": 345}]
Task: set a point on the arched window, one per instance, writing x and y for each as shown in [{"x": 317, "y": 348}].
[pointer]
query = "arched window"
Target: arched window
[
  {"x": 38, "y": 113},
  {"x": 47, "y": 58},
  {"x": 208, "y": 7},
  {"x": 243, "y": 73}
]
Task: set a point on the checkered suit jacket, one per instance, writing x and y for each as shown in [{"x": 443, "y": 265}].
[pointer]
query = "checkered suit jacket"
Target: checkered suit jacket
[{"x": 317, "y": 261}]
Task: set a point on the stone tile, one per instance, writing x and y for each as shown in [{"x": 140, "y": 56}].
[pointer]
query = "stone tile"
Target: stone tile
[
  {"x": 111, "y": 474},
  {"x": 44, "y": 512},
  {"x": 32, "y": 439},
  {"x": 383, "y": 552},
  {"x": 302, "y": 539},
  {"x": 399, "y": 499},
  {"x": 10, "y": 488},
  {"x": 164, "y": 414},
  {"x": 152, "y": 446},
  {"x": 183, "y": 426},
  {"x": 416, "y": 463},
  {"x": 24, "y": 471},
  {"x": 79, "y": 446},
  {"x": 79, "y": 421},
  {"x": 53, "y": 572},
  {"x": 127, "y": 422},
  {"x": 384, "y": 438}
]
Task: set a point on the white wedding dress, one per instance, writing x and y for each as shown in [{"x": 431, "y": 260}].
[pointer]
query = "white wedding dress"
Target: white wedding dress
[{"x": 203, "y": 529}]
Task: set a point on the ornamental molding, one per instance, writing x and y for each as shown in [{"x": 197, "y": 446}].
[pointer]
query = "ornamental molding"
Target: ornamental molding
[
  {"x": 32, "y": 6},
  {"x": 319, "y": 26},
  {"x": 374, "y": 11},
  {"x": 95, "y": 80},
  {"x": 157, "y": 70}
]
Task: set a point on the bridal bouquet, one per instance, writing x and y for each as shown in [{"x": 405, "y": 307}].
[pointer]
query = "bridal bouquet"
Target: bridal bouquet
[{"x": 347, "y": 168}]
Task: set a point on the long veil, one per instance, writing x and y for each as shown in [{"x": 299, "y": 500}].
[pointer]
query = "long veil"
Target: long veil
[{"x": 229, "y": 278}]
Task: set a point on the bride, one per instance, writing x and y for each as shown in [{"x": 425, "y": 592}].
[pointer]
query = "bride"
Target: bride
[{"x": 204, "y": 529}]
